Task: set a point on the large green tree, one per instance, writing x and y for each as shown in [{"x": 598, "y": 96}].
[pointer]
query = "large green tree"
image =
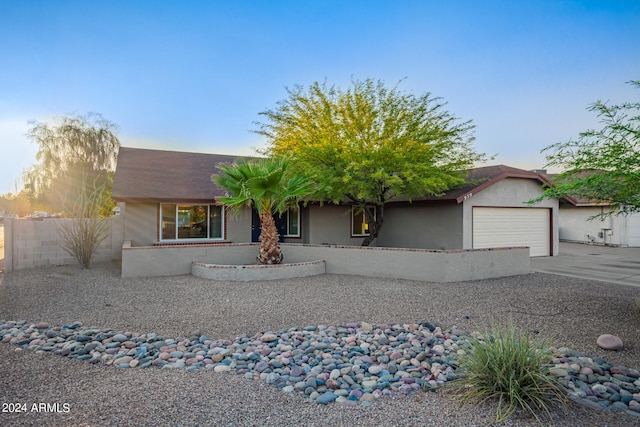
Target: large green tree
[
  {"x": 265, "y": 185},
  {"x": 369, "y": 144},
  {"x": 74, "y": 152},
  {"x": 601, "y": 165}
]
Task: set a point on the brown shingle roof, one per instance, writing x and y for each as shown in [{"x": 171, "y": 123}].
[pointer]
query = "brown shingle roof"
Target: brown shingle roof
[{"x": 158, "y": 175}]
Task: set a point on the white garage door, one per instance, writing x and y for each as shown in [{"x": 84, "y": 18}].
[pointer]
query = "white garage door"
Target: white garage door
[{"x": 501, "y": 227}]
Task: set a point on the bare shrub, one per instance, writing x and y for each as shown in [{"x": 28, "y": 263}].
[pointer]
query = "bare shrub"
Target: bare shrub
[{"x": 83, "y": 229}]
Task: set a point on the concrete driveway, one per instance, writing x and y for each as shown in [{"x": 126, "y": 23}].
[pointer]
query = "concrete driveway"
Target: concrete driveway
[{"x": 604, "y": 263}]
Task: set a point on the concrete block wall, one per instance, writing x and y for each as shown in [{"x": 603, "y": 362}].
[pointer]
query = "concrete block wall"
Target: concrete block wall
[{"x": 38, "y": 243}]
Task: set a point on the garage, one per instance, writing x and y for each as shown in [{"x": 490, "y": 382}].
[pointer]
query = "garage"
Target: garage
[{"x": 495, "y": 227}]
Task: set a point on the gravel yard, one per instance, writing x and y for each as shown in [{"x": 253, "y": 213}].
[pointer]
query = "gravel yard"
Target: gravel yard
[{"x": 573, "y": 312}]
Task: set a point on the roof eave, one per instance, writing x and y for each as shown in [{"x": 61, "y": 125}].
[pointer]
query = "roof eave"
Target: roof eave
[{"x": 164, "y": 200}]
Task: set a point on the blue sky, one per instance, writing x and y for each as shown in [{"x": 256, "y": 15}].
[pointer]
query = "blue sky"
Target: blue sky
[{"x": 194, "y": 75}]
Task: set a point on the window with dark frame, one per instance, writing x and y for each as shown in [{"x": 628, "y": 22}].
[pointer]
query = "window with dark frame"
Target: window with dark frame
[
  {"x": 360, "y": 221},
  {"x": 292, "y": 222},
  {"x": 187, "y": 221}
]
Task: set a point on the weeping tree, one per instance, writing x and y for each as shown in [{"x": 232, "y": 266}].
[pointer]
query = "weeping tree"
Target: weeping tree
[
  {"x": 73, "y": 152},
  {"x": 265, "y": 185}
]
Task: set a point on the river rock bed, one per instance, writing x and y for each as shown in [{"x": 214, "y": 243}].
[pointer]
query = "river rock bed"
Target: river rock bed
[{"x": 352, "y": 364}]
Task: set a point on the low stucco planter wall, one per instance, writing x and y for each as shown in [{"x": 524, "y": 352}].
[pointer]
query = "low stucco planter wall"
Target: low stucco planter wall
[
  {"x": 247, "y": 273},
  {"x": 457, "y": 265},
  {"x": 413, "y": 264}
]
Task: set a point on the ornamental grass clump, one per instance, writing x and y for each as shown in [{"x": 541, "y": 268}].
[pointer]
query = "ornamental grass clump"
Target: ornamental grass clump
[{"x": 512, "y": 368}]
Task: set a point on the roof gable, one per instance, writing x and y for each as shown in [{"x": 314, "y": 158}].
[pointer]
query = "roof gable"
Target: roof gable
[
  {"x": 479, "y": 179},
  {"x": 484, "y": 177}
]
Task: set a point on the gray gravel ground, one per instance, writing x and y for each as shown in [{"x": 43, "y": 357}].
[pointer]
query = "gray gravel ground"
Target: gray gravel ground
[{"x": 572, "y": 312}]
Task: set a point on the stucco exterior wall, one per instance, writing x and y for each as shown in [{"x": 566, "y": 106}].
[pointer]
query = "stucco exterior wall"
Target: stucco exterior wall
[
  {"x": 513, "y": 193},
  {"x": 238, "y": 226},
  {"x": 331, "y": 225},
  {"x": 418, "y": 225},
  {"x": 575, "y": 226},
  {"x": 141, "y": 223}
]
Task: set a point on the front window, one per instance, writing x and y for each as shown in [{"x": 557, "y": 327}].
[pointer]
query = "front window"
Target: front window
[
  {"x": 291, "y": 222},
  {"x": 191, "y": 221},
  {"x": 360, "y": 221}
]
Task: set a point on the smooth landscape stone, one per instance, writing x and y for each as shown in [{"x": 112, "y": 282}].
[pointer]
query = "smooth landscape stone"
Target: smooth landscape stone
[
  {"x": 366, "y": 326},
  {"x": 123, "y": 360},
  {"x": 326, "y": 397},
  {"x": 609, "y": 342},
  {"x": 288, "y": 389},
  {"x": 634, "y": 406},
  {"x": 217, "y": 357},
  {"x": 350, "y": 364},
  {"x": 261, "y": 366},
  {"x": 369, "y": 383},
  {"x": 375, "y": 369},
  {"x": 120, "y": 337},
  {"x": 268, "y": 338}
]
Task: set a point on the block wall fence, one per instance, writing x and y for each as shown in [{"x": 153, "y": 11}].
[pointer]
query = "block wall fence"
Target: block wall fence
[{"x": 30, "y": 243}]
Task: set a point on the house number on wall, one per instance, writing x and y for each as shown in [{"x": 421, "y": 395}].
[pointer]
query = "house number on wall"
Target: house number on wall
[{"x": 467, "y": 196}]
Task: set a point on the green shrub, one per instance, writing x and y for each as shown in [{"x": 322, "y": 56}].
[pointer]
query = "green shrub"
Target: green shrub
[{"x": 512, "y": 368}]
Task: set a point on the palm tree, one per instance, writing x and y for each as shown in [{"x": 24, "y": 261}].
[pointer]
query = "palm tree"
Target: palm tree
[{"x": 265, "y": 185}]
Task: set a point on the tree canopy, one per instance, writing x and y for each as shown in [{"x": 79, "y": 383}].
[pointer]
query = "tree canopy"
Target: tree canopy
[
  {"x": 368, "y": 144},
  {"x": 74, "y": 152},
  {"x": 602, "y": 165}
]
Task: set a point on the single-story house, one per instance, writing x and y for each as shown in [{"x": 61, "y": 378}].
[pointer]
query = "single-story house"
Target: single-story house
[{"x": 168, "y": 198}]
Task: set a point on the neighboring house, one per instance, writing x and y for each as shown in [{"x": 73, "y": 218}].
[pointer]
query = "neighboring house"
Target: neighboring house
[
  {"x": 578, "y": 224},
  {"x": 169, "y": 198}
]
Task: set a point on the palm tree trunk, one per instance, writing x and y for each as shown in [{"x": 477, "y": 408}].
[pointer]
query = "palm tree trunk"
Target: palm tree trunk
[{"x": 269, "y": 240}]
